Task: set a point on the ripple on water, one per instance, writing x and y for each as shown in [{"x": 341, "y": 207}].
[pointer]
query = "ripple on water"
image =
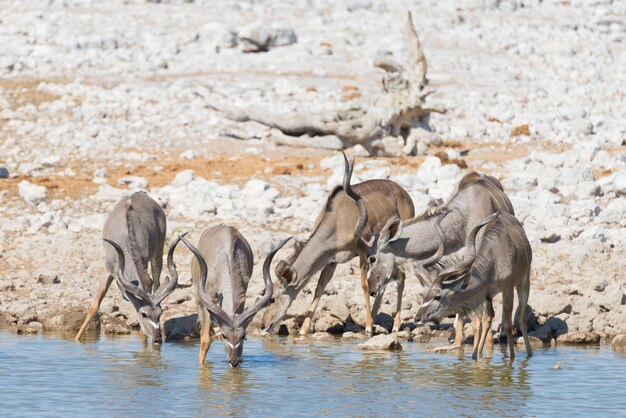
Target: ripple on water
[{"x": 120, "y": 376}]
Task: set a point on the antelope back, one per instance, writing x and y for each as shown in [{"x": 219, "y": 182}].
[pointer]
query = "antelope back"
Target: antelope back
[
  {"x": 149, "y": 231},
  {"x": 229, "y": 261}
]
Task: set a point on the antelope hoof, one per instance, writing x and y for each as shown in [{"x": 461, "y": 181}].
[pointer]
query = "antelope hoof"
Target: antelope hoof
[{"x": 368, "y": 333}]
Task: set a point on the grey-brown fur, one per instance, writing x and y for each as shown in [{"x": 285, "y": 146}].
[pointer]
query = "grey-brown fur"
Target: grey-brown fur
[
  {"x": 221, "y": 270},
  {"x": 134, "y": 235},
  {"x": 333, "y": 241},
  {"x": 500, "y": 264}
]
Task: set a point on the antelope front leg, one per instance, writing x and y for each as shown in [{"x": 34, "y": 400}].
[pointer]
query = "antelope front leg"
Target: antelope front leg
[
  {"x": 377, "y": 301},
  {"x": 486, "y": 336},
  {"x": 369, "y": 323},
  {"x": 458, "y": 331},
  {"x": 507, "y": 320},
  {"x": 476, "y": 321},
  {"x": 205, "y": 334},
  {"x": 397, "y": 321},
  {"x": 95, "y": 305},
  {"x": 325, "y": 276}
]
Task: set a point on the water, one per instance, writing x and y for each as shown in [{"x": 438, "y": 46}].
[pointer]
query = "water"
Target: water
[{"x": 118, "y": 376}]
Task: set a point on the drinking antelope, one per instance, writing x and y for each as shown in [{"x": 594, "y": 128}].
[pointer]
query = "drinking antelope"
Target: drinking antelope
[
  {"x": 470, "y": 279},
  {"x": 227, "y": 254},
  {"x": 136, "y": 230},
  {"x": 336, "y": 238},
  {"x": 403, "y": 241}
]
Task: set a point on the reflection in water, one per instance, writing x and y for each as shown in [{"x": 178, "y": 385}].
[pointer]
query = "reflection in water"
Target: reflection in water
[{"x": 121, "y": 376}]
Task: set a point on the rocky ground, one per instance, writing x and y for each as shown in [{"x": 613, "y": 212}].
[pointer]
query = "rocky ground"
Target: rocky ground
[{"x": 98, "y": 98}]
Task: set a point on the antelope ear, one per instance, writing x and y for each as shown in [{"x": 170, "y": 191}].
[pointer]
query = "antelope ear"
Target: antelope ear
[
  {"x": 285, "y": 273},
  {"x": 391, "y": 231},
  {"x": 298, "y": 245},
  {"x": 455, "y": 278}
]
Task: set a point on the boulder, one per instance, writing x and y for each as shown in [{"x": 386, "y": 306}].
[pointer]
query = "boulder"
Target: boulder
[
  {"x": 353, "y": 336},
  {"x": 579, "y": 338},
  {"x": 31, "y": 193},
  {"x": 619, "y": 343},
  {"x": 70, "y": 319},
  {"x": 33, "y": 327},
  {"x": 381, "y": 342},
  {"x": 422, "y": 334},
  {"x": 181, "y": 328},
  {"x": 543, "y": 333},
  {"x": 115, "y": 325},
  {"x": 322, "y": 336},
  {"x": 533, "y": 340},
  {"x": 549, "y": 305},
  {"x": 328, "y": 323}
]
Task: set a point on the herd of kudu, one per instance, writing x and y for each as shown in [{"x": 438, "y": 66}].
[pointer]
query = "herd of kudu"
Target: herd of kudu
[{"x": 465, "y": 252}]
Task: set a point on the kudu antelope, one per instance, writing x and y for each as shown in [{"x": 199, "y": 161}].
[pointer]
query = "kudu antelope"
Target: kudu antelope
[
  {"x": 404, "y": 241},
  {"x": 498, "y": 261},
  {"x": 135, "y": 230},
  {"x": 336, "y": 239},
  {"x": 225, "y": 255}
]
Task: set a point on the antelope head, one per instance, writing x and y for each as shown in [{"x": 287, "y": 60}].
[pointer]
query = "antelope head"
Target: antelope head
[
  {"x": 234, "y": 328},
  {"x": 148, "y": 305},
  {"x": 382, "y": 264},
  {"x": 441, "y": 286},
  {"x": 288, "y": 277},
  {"x": 285, "y": 290}
]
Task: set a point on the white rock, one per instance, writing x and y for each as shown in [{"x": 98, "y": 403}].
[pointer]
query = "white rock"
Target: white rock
[
  {"x": 587, "y": 189},
  {"x": 110, "y": 194},
  {"x": 31, "y": 193},
  {"x": 614, "y": 213},
  {"x": 254, "y": 188},
  {"x": 427, "y": 172},
  {"x": 219, "y": 35},
  {"x": 381, "y": 342},
  {"x": 582, "y": 208},
  {"x": 619, "y": 183},
  {"x": 184, "y": 177},
  {"x": 188, "y": 155},
  {"x": 448, "y": 172},
  {"x": 133, "y": 182},
  {"x": 51, "y": 161}
]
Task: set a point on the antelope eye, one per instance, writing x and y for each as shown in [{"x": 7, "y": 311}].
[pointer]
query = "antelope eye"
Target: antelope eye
[
  {"x": 144, "y": 315},
  {"x": 372, "y": 259},
  {"x": 272, "y": 300},
  {"x": 437, "y": 297}
]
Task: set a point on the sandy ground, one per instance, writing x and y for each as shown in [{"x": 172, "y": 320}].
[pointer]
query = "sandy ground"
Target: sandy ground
[{"x": 94, "y": 92}]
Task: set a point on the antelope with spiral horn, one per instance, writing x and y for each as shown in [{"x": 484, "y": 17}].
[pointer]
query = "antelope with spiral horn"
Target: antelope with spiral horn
[
  {"x": 337, "y": 237},
  {"x": 221, "y": 270},
  {"x": 135, "y": 230},
  {"x": 495, "y": 259}
]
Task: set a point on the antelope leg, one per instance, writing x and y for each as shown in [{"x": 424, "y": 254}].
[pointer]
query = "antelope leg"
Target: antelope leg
[
  {"x": 369, "y": 323},
  {"x": 325, "y": 276},
  {"x": 397, "y": 320},
  {"x": 205, "y": 334},
  {"x": 95, "y": 305}
]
